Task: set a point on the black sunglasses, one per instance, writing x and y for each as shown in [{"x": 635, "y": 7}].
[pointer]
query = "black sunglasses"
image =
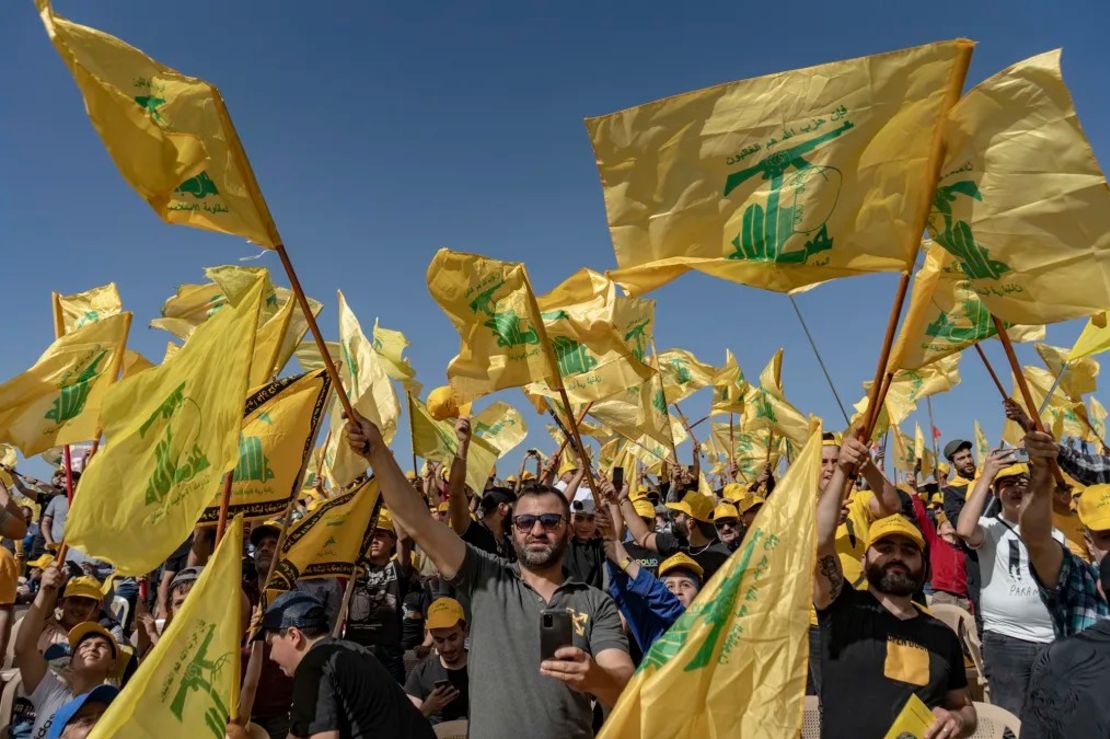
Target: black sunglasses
[
  {"x": 730, "y": 522},
  {"x": 549, "y": 521}
]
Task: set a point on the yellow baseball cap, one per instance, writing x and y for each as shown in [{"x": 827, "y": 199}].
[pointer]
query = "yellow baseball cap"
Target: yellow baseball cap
[
  {"x": 510, "y": 478},
  {"x": 385, "y": 520},
  {"x": 696, "y": 506},
  {"x": 83, "y": 629},
  {"x": 725, "y": 510},
  {"x": 936, "y": 499},
  {"x": 444, "y": 613},
  {"x": 44, "y": 561},
  {"x": 1094, "y": 508},
  {"x": 750, "y": 501},
  {"x": 733, "y": 491},
  {"x": 443, "y": 507},
  {"x": 681, "y": 561},
  {"x": 528, "y": 475},
  {"x": 1012, "y": 471},
  {"x": 84, "y": 587},
  {"x": 895, "y": 525},
  {"x": 644, "y": 508},
  {"x": 943, "y": 467}
]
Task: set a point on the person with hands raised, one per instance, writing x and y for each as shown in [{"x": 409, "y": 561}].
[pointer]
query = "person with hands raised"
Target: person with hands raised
[
  {"x": 506, "y": 602},
  {"x": 1016, "y": 623}
]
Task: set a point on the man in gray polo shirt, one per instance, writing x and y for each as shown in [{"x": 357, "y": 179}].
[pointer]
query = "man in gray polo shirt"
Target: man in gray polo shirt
[{"x": 505, "y": 601}]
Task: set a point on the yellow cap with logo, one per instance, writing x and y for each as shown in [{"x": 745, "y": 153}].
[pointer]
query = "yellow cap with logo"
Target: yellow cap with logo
[
  {"x": 84, "y": 587},
  {"x": 696, "y": 506},
  {"x": 681, "y": 561},
  {"x": 895, "y": 525},
  {"x": 1094, "y": 508}
]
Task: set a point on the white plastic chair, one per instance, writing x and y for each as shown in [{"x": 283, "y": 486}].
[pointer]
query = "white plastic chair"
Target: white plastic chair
[
  {"x": 994, "y": 721},
  {"x": 811, "y": 718},
  {"x": 119, "y": 609},
  {"x": 963, "y": 623},
  {"x": 451, "y": 729}
]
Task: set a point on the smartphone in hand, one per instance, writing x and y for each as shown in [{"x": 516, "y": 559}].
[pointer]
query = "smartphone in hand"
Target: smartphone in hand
[{"x": 555, "y": 632}]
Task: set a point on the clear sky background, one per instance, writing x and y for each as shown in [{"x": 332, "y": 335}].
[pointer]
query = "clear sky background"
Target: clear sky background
[{"x": 383, "y": 131}]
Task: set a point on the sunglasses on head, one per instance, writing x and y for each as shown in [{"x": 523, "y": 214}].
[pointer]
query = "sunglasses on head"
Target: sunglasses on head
[{"x": 549, "y": 521}]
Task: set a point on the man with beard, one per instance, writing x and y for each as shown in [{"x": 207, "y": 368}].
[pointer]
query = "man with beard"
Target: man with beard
[
  {"x": 506, "y": 602},
  {"x": 438, "y": 686},
  {"x": 726, "y": 519},
  {"x": 1016, "y": 623},
  {"x": 954, "y": 496},
  {"x": 876, "y": 644},
  {"x": 693, "y": 533}
]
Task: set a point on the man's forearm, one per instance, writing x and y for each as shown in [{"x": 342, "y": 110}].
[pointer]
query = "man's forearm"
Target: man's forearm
[
  {"x": 612, "y": 682},
  {"x": 885, "y": 495},
  {"x": 457, "y": 509}
]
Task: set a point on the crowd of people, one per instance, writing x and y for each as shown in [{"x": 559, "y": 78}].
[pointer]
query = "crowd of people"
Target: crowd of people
[{"x": 525, "y": 608}]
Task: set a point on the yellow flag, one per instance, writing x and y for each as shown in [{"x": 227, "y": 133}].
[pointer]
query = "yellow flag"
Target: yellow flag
[
  {"x": 8, "y": 458},
  {"x": 280, "y": 421},
  {"x": 169, "y": 134},
  {"x": 771, "y": 375},
  {"x": 309, "y": 356},
  {"x": 770, "y": 411},
  {"x": 982, "y": 444},
  {"x": 729, "y": 387},
  {"x": 236, "y": 282},
  {"x": 640, "y": 413},
  {"x": 913, "y": 721},
  {"x": 749, "y": 449},
  {"x": 908, "y": 386},
  {"x": 598, "y": 338},
  {"x": 58, "y": 399},
  {"x": 297, "y": 328},
  {"x": 1060, "y": 416},
  {"x": 268, "y": 344},
  {"x": 77, "y": 310},
  {"x": 922, "y": 452},
  {"x": 684, "y": 374},
  {"x": 372, "y": 395},
  {"x": 492, "y": 306},
  {"x": 500, "y": 426},
  {"x": 905, "y": 453},
  {"x": 1023, "y": 205},
  {"x": 776, "y": 182},
  {"x": 1097, "y": 417},
  {"x": 1094, "y": 339},
  {"x": 189, "y": 683},
  {"x": 735, "y": 663},
  {"x": 172, "y": 432},
  {"x": 330, "y": 539},
  {"x": 390, "y": 346},
  {"x": 190, "y": 306},
  {"x": 1079, "y": 375},
  {"x": 134, "y": 363},
  {"x": 945, "y": 315},
  {"x": 436, "y": 440}
]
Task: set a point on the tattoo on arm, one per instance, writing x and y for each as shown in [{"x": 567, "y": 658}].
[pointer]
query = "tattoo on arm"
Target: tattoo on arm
[{"x": 829, "y": 567}]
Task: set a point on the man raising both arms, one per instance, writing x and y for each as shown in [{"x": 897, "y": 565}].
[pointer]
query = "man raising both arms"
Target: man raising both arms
[
  {"x": 875, "y": 643},
  {"x": 548, "y": 699}
]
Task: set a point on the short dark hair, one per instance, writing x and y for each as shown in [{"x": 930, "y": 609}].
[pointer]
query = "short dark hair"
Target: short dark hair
[
  {"x": 312, "y": 631},
  {"x": 828, "y": 436},
  {"x": 537, "y": 489},
  {"x": 94, "y": 635}
]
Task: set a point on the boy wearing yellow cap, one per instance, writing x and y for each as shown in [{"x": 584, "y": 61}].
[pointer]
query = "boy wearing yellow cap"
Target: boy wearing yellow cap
[
  {"x": 439, "y": 686},
  {"x": 1016, "y": 624},
  {"x": 877, "y": 648}
]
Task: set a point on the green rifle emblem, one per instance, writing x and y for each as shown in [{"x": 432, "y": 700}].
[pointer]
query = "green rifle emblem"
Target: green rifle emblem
[
  {"x": 957, "y": 237},
  {"x": 89, "y": 316},
  {"x": 484, "y": 302},
  {"x": 763, "y": 407},
  {"x": 917, "y": 383},
  {"x": 506, "y": 326},
  {"x": 483, "y": 430},
  {"x": 764, "y": 234},
  {"x": 72, "y": 396},
  {"x": 252, "y": 465},
  {"x": 214, "y": 304},
  {"x": 199, "y": 187},
  {"x": 716, "y": 613},
  {"x": 637, "y": 334},
  {"x": 681, "y": 371},
  {"x": 659, "y": 401},
  {"x": 151, "y": 104},
  {"x": 167, "y": 469},
  {"x": 201, "y": 675},
  {"x": 573, "y": 357},
  {"x": 554, "y": 315},
  {"x": 351, "y": 363},
  {"x": 976, "y": 323}
]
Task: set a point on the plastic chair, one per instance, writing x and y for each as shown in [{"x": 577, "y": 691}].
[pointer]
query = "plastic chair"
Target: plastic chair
[
  {"x": 13, "y": 682},
  {"x": 254, "y": 731},
  {"x": 811, "y": 718},
  {"x": 994, "y": 721},
  {"x": 9, "y": 653},
  {"x": 119, "y": 609},
  {"x": 451, "y": 729},
  {"x": 963, "y": 623}
]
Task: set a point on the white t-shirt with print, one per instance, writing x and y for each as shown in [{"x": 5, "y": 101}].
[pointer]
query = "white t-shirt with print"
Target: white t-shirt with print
[
  {"x": 1009, "y": 598},
  {"x": 50, "y": 695}
]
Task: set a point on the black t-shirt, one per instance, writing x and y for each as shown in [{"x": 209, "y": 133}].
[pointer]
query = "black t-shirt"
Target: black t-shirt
[
  {"x": 478, "y": 534},
  {"x": 339, "y": 686},
  {"x": 585, "y": 560},
  {"x": 375, "y": 614},
  {"x": 1068, "y": 688},
  {"x": 709, "y": 556},
  {"x": 872, "y": 661},
  {"x": 422, "y": 681},
  {"x": 647, "y": 558}
]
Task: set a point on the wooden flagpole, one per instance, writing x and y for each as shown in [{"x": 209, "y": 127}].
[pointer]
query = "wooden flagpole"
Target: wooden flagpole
[
  {"x": 225, "y": 503},
  {"x": 990, "y": 370},
  {"x": 878, "y": 393}
]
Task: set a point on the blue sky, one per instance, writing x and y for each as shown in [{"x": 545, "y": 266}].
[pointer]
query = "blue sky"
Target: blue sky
[{"x": 381, "y": 132}]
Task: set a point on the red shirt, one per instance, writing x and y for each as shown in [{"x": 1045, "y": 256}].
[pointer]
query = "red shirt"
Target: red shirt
[{"x": 948, "y": 561}]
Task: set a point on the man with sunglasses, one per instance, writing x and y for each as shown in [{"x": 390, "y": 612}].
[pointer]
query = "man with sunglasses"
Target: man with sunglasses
[
  {"x": 506, "y": 602},
  {"x": 726, "y": 519}
]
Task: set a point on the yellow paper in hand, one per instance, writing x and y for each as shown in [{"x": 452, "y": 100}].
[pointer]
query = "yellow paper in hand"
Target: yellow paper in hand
[{"x": 914, "y": 720}]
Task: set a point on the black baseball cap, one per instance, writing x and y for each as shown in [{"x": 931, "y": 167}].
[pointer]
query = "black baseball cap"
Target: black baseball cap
[
  {"x": 954, "y": 446},
  {"x": 293, "y": 609},
  {"x": 264, "y": 529}
]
